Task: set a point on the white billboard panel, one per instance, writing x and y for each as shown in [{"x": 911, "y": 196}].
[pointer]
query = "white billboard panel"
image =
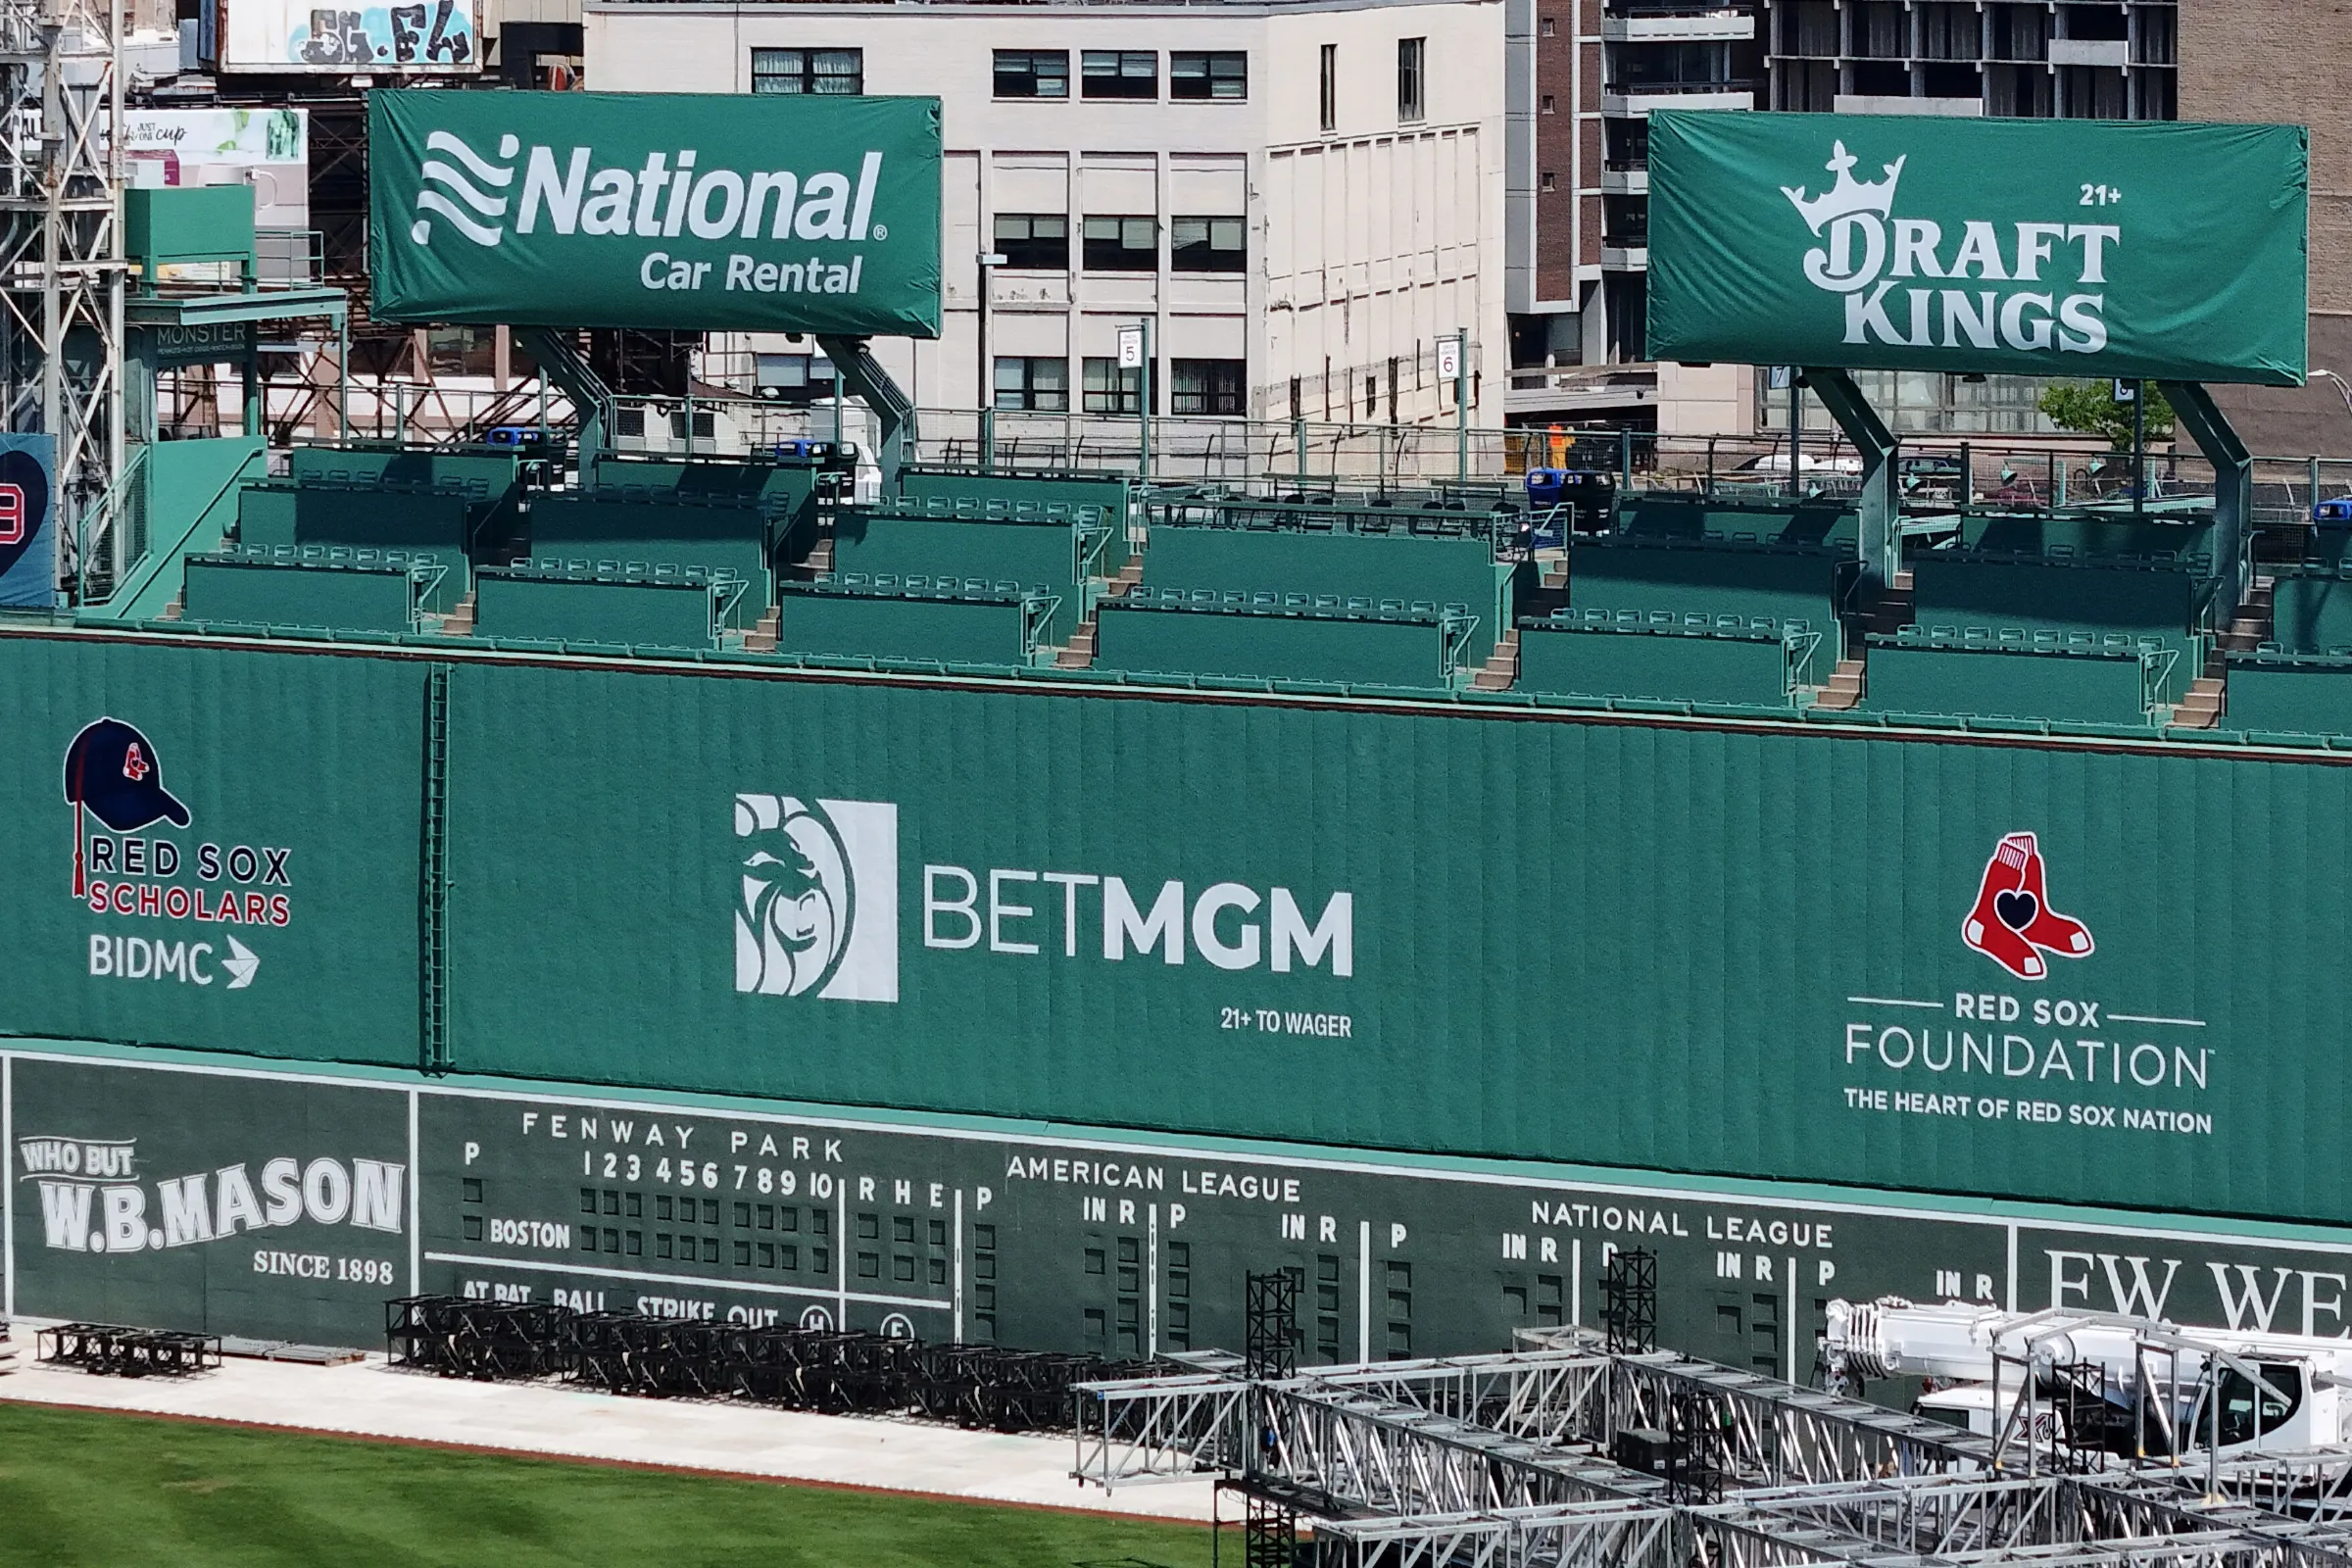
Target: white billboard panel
[{"x": 431, "y": 36}]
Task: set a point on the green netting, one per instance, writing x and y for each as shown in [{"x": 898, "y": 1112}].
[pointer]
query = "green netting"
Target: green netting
[
  {"x": 2312, "y": 611},
  {"x": 1662, "y": 666},
  {"x": 1795, "y": 521},
  {"x": 722, "y": 537},
  {"x": 484, "y": 476},
  {"x": 2090, "y": 538},
  {"x": 247, "y": 593},
  {"x": 1713, "y": 579},
  {"x": 786, "y": 492},
  {"x": 1273, "y": 647},
  {"x": 2083, "y": 688},
  {"x": 1411, "y": 567},
  {"x": 1968, "y": 591},
  {"x": 2290, "y": 697},
  {"x": 1034, "y": 555},
  {"x": 952, "y": 631},
  {"x": 637, "y": 614}
]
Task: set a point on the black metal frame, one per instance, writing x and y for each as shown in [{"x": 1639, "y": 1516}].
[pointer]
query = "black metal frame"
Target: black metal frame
[
  {"x": 823, "y": 1370},
  {"x": 113, "y": 1351},
  {"x": 1629, "y": 1301}
]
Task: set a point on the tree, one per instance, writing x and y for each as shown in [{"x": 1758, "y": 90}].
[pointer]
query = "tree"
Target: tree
[{"x": 2091, "y": 408}]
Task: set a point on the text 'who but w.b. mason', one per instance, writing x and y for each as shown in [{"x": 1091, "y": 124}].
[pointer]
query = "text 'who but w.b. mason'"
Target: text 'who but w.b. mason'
[{"x": 659, "y": 210}]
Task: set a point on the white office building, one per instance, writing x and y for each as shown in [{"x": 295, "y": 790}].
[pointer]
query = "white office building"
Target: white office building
[{"x": 1302, "y": 198}]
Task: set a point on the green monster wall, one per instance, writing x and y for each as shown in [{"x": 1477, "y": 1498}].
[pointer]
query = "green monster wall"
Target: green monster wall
[{"x": 1733, "y": 949}]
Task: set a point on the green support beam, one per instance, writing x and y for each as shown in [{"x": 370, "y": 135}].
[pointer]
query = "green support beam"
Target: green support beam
[
  {"x": 2232, "y": 484},
  {"x": 894, "y": 412},
  {"x": 1881, "y": 520},
  {"x": 560, "y": 357}
]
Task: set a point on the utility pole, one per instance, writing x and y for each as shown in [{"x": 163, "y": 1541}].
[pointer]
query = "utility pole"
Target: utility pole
[
  {"x": 984, "y": 399},
  {"x": 1459, "y": 371},
  {"x": 1135, "y": 354}
]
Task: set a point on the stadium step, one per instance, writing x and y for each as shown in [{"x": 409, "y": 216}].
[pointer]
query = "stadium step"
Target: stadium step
[
  {"x": 1895, "y": 609},
  {"x": 1129, "y": 576},
  {"x": 761, "y": 639},
  {"x": 1501, "y": 669},
  {"x": 1079, "y": 651},
  {"x": 2251, "y": 627},
  {"x": 1844, "y": 689},
  {"x": 459, "y": 622},
  {"x": 818, "y": 562},
  {"x": 172, "y": 611},
  {"x": 2201, "y": 708}
]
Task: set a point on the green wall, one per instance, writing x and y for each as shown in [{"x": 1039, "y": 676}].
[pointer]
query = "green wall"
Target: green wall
[
  {"x": 1705, "y": 948},
  {"x": 318, "y": 758},
  {"x": 750, "y": 1211}
]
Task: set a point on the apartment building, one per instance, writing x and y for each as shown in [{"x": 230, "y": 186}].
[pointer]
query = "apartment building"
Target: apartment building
[
  {"x": 1584, "y": 75},
  {"x": 1578, "y": 300},
  {"x": 1301, "y": 197},
  {"x": 2288, "y": 61}
]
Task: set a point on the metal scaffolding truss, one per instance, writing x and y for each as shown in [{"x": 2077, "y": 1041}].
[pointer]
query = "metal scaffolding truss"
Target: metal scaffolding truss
[
  {"x": 62, "y": 264},
  {"x": 1503, "y": 1462},
  {"x": 1590, "y": 1535},
  {"x": 1982, "y": 1517},
  {"x": 1396, "y": 1459}
]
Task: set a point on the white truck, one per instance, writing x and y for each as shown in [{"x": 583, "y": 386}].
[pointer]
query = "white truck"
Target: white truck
[{"x": 2095, "y": 1381}]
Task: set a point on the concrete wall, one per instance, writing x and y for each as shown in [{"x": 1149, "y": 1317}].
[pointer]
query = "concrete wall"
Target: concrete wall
[{"x": 1367, "y": 243}]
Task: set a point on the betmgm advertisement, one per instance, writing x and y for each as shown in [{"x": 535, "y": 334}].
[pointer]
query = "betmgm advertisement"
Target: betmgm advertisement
[
  {"x": 2050, "y": 248},
  {"x": 687, "y": 212}
]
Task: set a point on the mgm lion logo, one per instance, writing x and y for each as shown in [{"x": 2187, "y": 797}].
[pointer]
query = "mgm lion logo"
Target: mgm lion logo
[{"x": 817, "y": 906}]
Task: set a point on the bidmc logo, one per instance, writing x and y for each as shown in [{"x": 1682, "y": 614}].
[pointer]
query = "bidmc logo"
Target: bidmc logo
[
  {"x": 1867, "y": 255},
  {"x": 114, "y": 774},
  {"x": 819, "y": 908}
]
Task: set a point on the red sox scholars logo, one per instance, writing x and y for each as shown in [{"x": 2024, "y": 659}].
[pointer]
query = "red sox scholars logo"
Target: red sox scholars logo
[{"x": 2012, "y": 923}]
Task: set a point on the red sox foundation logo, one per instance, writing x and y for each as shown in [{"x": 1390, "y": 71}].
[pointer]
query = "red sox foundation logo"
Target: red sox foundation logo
[{"x": 2012, "y": 923}]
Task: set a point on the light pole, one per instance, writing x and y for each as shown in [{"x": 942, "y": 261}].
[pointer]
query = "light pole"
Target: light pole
[
  {"x": 2343, "y": 388},
  {"x": 984, "y": 399}
]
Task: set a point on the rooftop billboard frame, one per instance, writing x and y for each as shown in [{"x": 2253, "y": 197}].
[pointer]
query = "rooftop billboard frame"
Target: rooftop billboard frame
[
  {"x": 682, "y": 212},
  {"x": 2055, "y": 248}
]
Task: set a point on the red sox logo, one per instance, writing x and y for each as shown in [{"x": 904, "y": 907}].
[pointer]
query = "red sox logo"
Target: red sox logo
[{"x": 2012, "y": 923}]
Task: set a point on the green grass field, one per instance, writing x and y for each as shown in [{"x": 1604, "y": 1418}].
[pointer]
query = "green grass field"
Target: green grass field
[{"x": 126, "y": 1491}]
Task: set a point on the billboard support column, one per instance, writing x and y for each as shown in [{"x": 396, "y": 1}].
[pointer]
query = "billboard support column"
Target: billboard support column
[
  {"x": 855, "y": 365},
  {"x": 1882, "y": 541},
  {"x": 2232, "y": 482},
  {"x": 559, "y": 358}
]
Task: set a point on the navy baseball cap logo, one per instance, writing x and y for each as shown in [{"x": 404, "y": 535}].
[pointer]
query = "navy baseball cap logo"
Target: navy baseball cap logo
[{"x": 112, "y": 772}]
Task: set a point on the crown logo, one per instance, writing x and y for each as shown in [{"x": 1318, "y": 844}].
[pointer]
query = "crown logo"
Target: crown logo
[{"x": 1847, "y": 196}]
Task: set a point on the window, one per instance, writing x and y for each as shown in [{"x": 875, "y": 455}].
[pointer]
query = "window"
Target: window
[
  {"x": 1550, "y": 106},
  {"x": 1331, "y": 87},
  {"x": 1119, "y": 73},
  {"x": 1206, "y": 386},
  {"x": 1410, "y": 54},
  {"x": 1546, "y": 28},
  {"x": 1112, "y": 390},
  {"x": 1121, "y": 245},
  {"x": 1040, "y": 240},
  {"x": 1041, "y": 386},
  {"x": 1209, "y": 73},
  {"x": 1548, "y": 183},
  {"x": 838, "y": 72},
  {"x": 1033, "y": 74},
  {"x": 1207, "y": 245}
]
